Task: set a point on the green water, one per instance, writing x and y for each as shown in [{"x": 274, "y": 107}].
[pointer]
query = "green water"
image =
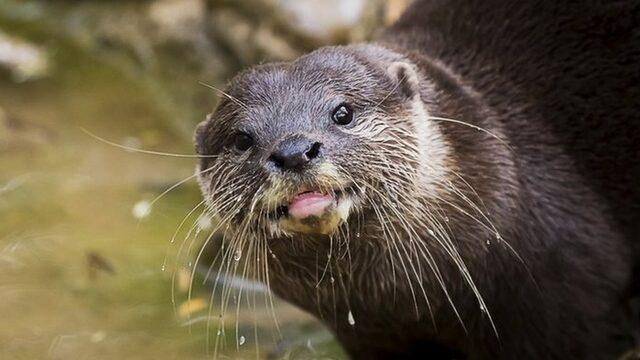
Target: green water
[{"x": 80, "y": 275}]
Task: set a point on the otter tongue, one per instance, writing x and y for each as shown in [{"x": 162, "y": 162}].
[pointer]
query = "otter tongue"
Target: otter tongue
[{"x": 309, "y": 204}]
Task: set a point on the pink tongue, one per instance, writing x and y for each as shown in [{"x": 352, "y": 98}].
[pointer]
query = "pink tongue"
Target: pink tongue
[{"x": 309, "y": 204}]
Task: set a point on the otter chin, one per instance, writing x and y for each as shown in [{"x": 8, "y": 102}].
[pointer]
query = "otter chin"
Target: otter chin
[{"x": 465, "y": 186}]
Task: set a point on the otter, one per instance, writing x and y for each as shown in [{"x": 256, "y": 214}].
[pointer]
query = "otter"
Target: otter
[{"x": 467, "y": 185}]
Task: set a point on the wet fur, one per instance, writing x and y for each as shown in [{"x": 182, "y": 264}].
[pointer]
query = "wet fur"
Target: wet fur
[{"x": 546, "y": 224}]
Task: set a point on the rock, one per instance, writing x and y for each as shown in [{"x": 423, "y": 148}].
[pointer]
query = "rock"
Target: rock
[{"x": 23, "y": 60}]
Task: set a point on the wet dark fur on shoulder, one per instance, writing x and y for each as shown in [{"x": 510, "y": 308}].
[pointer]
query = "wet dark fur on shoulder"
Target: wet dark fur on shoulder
[
  {"x": 572, "y": 66},
  {"x": 563, "y": 81},
  {"x": 529, "y": 250}
]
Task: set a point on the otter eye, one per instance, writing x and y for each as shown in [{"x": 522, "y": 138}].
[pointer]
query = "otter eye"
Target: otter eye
[
  {"x": 342, "y": 115},
  {"x": 242, "y": 142}
]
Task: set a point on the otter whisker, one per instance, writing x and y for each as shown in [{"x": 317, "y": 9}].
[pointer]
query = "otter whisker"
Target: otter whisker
[
  {"x": 431, "y": 262},
  {"x": 173, "y": 276},
  {"x": 225, "y": 260},
  {"x": 267, "y": 281},
  {"x": 393, "y": 89},
  {"x": 232, "y": 98},
  {"x": 248, "y": 256},
  {"x": 228, "y": 260},
  {"x": 407, "y": 228},
  {"x": 495, "y": 233},
  {"x": 388, "y": 236},
  {"x": 197, "y": 259},
  {"x": 453, "y": 253},
  {"x": 324, "y": 271},
  {"x": 141, "y": 151},
  {"x": 434, "y": 269},
  {"x": 476, "y": 127},
  {"x": 263, "y": 246},
  {"x": 242, "y": 237},
  {"x": 198, "y": 173}
]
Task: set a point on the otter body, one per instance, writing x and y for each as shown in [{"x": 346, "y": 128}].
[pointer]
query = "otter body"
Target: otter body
[{"x": 467, "y": 186}]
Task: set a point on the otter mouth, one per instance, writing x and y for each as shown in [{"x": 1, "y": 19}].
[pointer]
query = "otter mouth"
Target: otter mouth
[
  {"x": 310, "y": 203},
  {"x": 314, "y": 211}
]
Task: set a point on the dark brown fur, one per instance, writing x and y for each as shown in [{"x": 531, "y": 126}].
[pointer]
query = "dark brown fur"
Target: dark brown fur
[{"x": 559, "y": 82}]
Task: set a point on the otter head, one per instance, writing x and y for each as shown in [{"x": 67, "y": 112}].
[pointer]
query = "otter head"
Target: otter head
[{"x": 314, "y": 145}]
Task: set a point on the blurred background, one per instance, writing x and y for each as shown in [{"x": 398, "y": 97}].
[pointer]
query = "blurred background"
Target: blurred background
[{"x": 96, "y": 260}]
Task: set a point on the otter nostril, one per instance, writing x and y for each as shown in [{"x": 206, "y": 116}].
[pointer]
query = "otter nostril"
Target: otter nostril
[
  {"x": 277, "y": 160},
  {"x": 294, "y": 154},
  {"x": 314, "y": 151}
]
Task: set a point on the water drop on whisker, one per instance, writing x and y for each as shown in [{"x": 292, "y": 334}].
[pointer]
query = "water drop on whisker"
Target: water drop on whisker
[{"x": 350, "y": 319}]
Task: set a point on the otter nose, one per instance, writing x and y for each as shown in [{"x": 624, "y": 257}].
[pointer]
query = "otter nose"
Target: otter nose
[{"x": 295, "y": 153}]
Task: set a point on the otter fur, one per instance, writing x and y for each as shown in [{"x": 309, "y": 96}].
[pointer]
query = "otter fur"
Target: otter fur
[{"x": 465, "y": 186}]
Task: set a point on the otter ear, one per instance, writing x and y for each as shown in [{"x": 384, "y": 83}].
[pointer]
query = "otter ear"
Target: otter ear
[
  {"x": 406, "y": 78},
  {"x": 201, "y": 131}
]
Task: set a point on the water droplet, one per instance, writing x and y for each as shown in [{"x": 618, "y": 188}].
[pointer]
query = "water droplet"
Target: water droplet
[
  {"x": 204, "y": 222},
  {"x": 218, "y": 333},
  {"x": 350, "y": 318},
  {"x": 237, "y": 255},
  {"x": 431, "y": 232},
  {"x": 162, "y": 268},
  {"x": 242, "y": 340},
  {"x": 446, "y": 219},
  {"x": 498, "y": 237},
  {"x": 332, "y": 280},
  {"x": 190, "y": 263},
  {"x": 141, "y": 209},
  {"x": 273, "y": 255},
  {"x": 488, "y": 242},
  {"x": 357, "y": 234}
]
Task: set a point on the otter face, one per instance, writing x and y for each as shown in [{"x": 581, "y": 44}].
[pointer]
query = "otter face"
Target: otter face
[{"x": 300, "y": 147}]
